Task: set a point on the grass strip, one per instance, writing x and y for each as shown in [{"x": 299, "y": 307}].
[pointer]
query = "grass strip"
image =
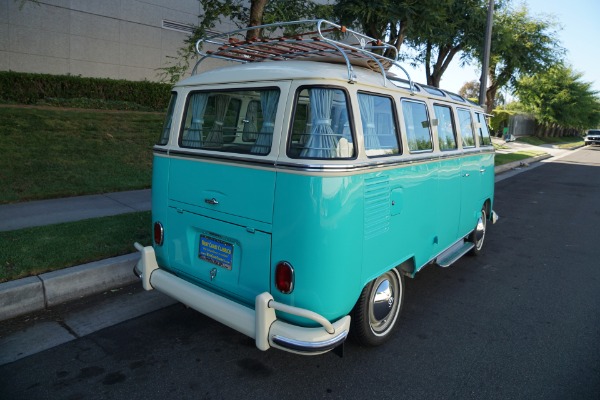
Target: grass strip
[
  {"x": 571, "y": 145},
  {"x": 501, "y": 159},
  {"x": 51, "y": 153},
  {"x": 32, "y": 251},
  {"x": 540, "y": 140}
]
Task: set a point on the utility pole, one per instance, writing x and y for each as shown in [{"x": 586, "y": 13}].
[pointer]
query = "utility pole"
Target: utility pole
[{"x": 486, "y": 54}]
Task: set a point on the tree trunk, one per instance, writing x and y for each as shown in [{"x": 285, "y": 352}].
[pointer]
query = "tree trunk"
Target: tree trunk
[
  {"x": 257, "y": 9},
  {"x": 427, "y": 62},
  {"x": 490, "y": 95},
  {"x": 445, "y": 56}
]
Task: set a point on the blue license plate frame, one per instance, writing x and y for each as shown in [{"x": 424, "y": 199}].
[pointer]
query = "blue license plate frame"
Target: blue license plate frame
[{"x": 216, "y": 251}]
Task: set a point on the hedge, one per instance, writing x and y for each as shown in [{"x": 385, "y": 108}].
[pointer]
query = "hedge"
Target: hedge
[
  {"x": 500, "y": 119},
  {"x": 24, "y": 88}
]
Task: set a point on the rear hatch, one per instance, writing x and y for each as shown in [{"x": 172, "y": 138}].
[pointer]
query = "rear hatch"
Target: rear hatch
[{"x": 219, "y": 226}]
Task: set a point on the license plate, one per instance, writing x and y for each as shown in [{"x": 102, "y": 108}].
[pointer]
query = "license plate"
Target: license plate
[{"x": 216, "y": 251}]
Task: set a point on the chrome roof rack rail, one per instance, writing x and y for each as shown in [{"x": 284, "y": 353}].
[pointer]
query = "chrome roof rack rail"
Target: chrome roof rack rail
[{"x": 324, "y": 42}]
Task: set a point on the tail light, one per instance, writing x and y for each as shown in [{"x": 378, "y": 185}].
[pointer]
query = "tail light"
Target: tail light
[
  {"x": 284, "y": 277},
  {"x": 159, "y": 233}
]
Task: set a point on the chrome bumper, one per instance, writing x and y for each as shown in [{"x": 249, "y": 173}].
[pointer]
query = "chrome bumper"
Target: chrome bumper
[{"x": 259, "y": 323}]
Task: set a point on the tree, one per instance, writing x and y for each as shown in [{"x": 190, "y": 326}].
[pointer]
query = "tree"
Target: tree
[
  {"x": 386, "y": 20},
  {"x": 439, "y": 29},
  {"x": 456, "y": 29},
  {"x": 470, "y": 90},
  {"x": 237, "y": 11},
  {"x": 561, "y": 102},
  {"x": 521, "y": 44}
]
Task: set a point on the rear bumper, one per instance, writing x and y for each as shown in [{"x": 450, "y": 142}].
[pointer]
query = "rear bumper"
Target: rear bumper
[{"x": 259, "y": 323}]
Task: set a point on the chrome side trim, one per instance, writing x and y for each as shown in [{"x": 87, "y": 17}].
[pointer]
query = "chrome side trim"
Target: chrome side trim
[{"x": 314, "y": 166}]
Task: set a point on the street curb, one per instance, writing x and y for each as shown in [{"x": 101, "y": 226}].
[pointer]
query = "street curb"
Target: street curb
[
  {"x": 520, "y": 163},
  {"x": 36, "y": 293}
]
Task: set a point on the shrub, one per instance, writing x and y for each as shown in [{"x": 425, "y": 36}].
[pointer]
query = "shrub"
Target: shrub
[{"x": 24, "y": 88}]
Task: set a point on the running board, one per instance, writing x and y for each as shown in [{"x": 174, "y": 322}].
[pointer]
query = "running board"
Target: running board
[{"x": 455, "y": 252}]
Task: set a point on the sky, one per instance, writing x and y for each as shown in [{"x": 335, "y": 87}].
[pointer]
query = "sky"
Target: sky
[{"x": 580, "y": 36}]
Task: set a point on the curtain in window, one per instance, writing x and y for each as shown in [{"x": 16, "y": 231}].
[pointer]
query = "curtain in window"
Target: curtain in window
[
  {"x": 322, "y": 141},
  {"x": 194, "y": 133},
  {"x": 215, "y": 136},
  {"x": 366, "y": 105},
  {"x": 307, "y": 129},
  {"x": 268, "y": 102},
  {"x": 250, "y": 128}
]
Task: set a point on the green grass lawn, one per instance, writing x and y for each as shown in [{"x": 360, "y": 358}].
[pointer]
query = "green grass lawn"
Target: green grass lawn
[
  {"x": 562, "y": 142},
  {"x": 33, "y": 251},
  {"x": 501, "y": 159},
  {"x": 50, "y": 153}
]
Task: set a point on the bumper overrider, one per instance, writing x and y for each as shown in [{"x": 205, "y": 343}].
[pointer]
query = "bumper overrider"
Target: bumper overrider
[{"x": 259, "y": 323}]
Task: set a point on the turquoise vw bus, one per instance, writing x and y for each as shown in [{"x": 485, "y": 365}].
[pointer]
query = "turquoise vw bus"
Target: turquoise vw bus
[{"x": 294, "y": 191}]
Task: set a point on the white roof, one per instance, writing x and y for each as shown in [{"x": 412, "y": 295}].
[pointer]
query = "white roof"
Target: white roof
[
  {"x": 329, "y": 72},
  {"x": 282, "y": 70}
]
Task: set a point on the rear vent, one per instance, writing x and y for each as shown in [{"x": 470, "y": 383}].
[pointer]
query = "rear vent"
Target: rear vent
[{"x": 377, "y": 206}]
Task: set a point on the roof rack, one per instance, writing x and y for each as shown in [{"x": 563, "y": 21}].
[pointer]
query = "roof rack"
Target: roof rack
[{"x": 313, "y": 45}]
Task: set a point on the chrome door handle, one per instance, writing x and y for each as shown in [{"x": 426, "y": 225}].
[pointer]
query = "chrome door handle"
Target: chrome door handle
[
  {"x": 482, "y": 170},
  {"x": 211, "y": 201},
  {"x": 466, "y": 175}
]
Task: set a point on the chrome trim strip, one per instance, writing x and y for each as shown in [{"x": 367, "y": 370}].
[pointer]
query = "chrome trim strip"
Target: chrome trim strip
[
  {"x": 310, "y": 347},
  {"x": 160, "y": 149},
  {"x": 370, "y": 164}
]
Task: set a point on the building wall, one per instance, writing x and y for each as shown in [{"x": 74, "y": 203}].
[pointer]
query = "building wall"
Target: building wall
[{"x": 120, "y": 39}]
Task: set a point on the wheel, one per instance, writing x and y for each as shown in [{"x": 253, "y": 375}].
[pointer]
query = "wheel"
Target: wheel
[
  {"x": 477, "y": 237},
  {"x": 376, "y": 312}
]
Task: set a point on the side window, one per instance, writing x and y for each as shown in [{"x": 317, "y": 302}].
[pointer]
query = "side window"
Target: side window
[
  {"x": 212, "y": 121},
  {"x": 378, "y": 124},
  {"x": 466, "y": 128},
  {"x": 446, "y": 129},
  {"x": 416, "y": 123},
  {"x": 164, "y": 135},
  {"x": 321, "y": 127},
  {"x": 484, "y": 132},
  {"x": 251, "y": 121}
]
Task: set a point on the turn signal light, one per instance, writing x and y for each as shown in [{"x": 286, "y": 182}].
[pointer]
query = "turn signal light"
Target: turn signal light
[
  {"x": 159, "y": 233},
  {"x": 284, "y": 277}
]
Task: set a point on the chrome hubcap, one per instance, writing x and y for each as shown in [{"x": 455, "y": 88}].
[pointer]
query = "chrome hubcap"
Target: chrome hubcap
[
  {"x": 480, "y": 230},
  {"x": 385, "y": 302}
]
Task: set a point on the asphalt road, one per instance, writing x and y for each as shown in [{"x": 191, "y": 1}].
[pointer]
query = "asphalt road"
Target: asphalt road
[{"x": 521, "y": 321}]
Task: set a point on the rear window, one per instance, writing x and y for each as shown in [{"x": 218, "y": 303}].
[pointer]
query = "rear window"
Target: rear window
[
  {"x": 238, "y": 121},
  {"x": 166, "y": 130}
]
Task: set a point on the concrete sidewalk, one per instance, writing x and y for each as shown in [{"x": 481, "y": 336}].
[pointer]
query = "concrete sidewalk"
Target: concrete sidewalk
[
  {"x": 46, "y": 290},
  {"x": 54, "y": 211},
  {"x": 35, "y": 293}
]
